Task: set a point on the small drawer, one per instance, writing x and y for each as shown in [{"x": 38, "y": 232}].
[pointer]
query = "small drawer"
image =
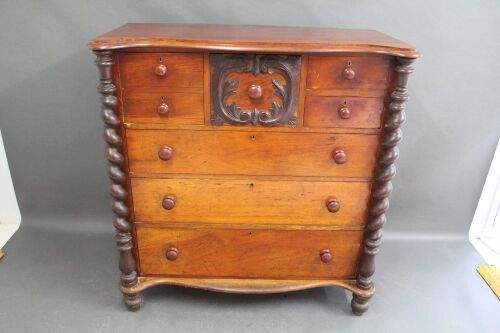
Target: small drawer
[
  {"x": 350, "y": 112},
  {"x": 250, "y": 200},
  {"x": 161, "y": 70},
  {"x": 251, "y": 153},
  {"x": 348, "y": 72},
  {"x": 160, "y": 105},
  {"x": 248, "y": 253}
]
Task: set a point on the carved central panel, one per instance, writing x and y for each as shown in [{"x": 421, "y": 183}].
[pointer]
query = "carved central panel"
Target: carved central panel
[{"x": 254, "y": 89}]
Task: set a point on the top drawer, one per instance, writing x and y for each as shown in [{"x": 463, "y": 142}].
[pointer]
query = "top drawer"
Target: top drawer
[
  {"x": 182, "y": 70},
  {"x": 369, "y": 72}
]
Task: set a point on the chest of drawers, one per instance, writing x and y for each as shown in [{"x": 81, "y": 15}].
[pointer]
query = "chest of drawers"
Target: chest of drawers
[{"x": 249, "y": 159}]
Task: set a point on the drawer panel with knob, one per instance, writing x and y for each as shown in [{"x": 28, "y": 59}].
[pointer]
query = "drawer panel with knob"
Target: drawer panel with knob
[
  {"x": 263, "y": 253},
  {"x": 250, "y": 200},
  {"x": 161, "y": 70},
  {"x": 345, "y": 112},
  {"x": 348, "y": 72},
  {"x": 251, "y": 153},
  {"x": 164, "y": 105}
]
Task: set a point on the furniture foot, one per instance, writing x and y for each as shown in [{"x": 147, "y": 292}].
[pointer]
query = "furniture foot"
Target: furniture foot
[
  {"x": 133, "y": 301},
  {"x": 359, "y": 304}
]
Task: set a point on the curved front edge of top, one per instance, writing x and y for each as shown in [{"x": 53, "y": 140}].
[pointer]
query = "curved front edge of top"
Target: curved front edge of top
[
  {"x": 251, "y": 39},
  {"x": 254, "y": 47}
]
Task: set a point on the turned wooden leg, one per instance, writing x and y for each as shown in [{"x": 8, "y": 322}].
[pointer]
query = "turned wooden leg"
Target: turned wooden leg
[
  {"x": 133, "y": 301},
  {"x": 359, "y": 304},
  {"x": 118, "y": 172}
]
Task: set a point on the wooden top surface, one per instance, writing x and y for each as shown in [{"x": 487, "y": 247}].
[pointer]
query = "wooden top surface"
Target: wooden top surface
[{"x": 270, "y": 39}]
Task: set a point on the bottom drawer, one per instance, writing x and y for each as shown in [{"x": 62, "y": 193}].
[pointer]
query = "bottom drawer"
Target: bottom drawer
[{"x": 248, "y": 253}]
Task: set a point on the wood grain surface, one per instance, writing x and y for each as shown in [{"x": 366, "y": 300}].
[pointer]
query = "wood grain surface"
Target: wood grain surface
[
  {"x": 245, "y": 286},
  {"x": 183, "y": 70},
  {"x": 250, "y": 201},
  {"x": 371, "y": 72},
  {"x": 185, "y": 106},
  {"x": 248, "y": 253},
  {"x": 323, "y": 111},
  {"x": 237, "y": 38},
  {"x": 251, "y": 153}
]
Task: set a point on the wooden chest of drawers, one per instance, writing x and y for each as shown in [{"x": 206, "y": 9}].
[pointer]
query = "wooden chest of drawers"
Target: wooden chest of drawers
[{"x": 250, "y": 159}]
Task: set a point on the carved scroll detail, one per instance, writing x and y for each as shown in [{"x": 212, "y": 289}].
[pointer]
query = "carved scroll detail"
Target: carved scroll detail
[
  {"x": 118, "y": 175},
  {"x": 382, "y": 187},
  {"x": 221, "y": 89}
]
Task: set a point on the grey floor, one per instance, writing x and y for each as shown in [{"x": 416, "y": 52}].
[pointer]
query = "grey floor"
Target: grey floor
[{"x": 64, "y": 279}]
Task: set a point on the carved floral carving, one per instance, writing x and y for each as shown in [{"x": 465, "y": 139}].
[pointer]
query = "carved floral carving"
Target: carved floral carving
[{"x": 222, "y": 88}]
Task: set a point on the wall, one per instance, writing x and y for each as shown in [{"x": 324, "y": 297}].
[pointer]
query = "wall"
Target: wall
[{"x": 49, "y": 111}]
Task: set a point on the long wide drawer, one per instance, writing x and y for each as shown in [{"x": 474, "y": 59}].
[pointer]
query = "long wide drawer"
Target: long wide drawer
[
  {"x": 247, "y": 253},
  {"x": 251, "y": 153},
  {"x": 250, "y": 201}
]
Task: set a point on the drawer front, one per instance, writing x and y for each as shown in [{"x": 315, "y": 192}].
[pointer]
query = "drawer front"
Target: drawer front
[
  {"x": 350, "y": 112},
  {"x": 161, "y": 70},
  {"x": 163, "y": 106},
  {"x": 348, "y": 72},
  {"x": 250, "y": 89},
  {"x": 250, "y": 201},
  {"x": 251, "y": 153},
  {"x": 248, "y": 253}
]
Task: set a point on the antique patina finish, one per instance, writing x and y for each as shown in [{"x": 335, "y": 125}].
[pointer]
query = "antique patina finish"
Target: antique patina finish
[{"x": 250, "y": 159}]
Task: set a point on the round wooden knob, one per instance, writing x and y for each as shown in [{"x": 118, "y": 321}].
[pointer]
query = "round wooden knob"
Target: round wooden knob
[
  {"x": 168, "y": 202},
  {"x": 163, "y": 108},
  {"x": 333, "y": 205},
  {"x": 255, "y": 91},
  {"x": 326, "y": 256},
  {"x": 172, "y": 253},
  {"x": 339, "y": 156},
  {"x": 344, "y": 112},
  {"x": 161, "y": 70},
  {"x": 349, "y": 73},
  {"x": 165, "y": 153}
]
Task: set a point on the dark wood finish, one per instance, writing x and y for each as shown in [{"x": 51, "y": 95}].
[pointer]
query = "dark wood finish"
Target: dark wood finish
[
  {"x": 118, "y": 173},
  {"x": 183, "y": 70},
  {"x": 344, "y": 112},
  {"x": 385, "y": 171},
  {"x": 163, "y": 107},
  {"x": 253, "y": 153},
  {"x": 168, "y": 202},
  {"x": 255, "y": 91},
  {"x": 161, "y": 69},
  {"x": 333, "y": 205},
  {"x": 182, "y": 106},
  {"x": 248, "y": 253},
  {"x": 165, "y": 153},
  {"x": 250, "y": 200},
  {"x": 256, "y": 39},
  {"x": 371, "y": 72},
  {"x": 339, "y": 156},
  {"x": 244, "y": 286},
  {"x": 296, "y": 201},
  {"x": 326, "y": 256},
  {"x": 349, "y": 72},
  {"x": 347, "y": 112},
  {"x": 172, "y": 253},
  {"x": 262, "y": 67}
]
